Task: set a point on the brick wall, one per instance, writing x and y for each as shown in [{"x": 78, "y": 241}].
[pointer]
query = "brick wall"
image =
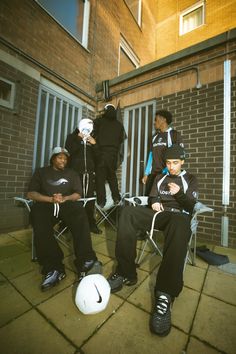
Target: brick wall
[
  {"x": 17, "y": 128},
  {"x": 28, "y": 27},
  {"x": 198, "y": 115},
  {"x": 219, "y": 17}
]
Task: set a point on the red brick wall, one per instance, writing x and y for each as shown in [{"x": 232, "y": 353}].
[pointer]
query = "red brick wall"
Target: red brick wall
[{"x": 27, "y": 26}]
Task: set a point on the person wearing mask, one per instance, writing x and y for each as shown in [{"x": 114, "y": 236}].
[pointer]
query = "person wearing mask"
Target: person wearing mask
[{"x": 82, "y": 148}]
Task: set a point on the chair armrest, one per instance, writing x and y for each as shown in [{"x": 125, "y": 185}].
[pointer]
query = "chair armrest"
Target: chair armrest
[
  {"x": 26, "y": 202},
  {"x": 138, "y": 200}
]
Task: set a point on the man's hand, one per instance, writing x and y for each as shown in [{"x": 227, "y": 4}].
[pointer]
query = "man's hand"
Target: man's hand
[
  {"x": 173, "y": 188},
  {"x": 144, "y": 179},
  {"x": 91, "y": 140},
  {"x": 157, "y": 207},
  {"x": 57, "y": 198}
]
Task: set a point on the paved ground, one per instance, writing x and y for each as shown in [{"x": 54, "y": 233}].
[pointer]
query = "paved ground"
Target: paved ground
[{"x": 32, "y": 322}]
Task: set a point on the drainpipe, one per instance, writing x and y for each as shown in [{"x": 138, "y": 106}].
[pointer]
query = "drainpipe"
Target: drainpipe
[{"x": 226, "y": 153}]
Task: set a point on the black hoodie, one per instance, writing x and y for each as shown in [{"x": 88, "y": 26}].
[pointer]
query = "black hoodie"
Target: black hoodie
[
  {"x": 82, "y": 158},
  {"x": 109, "y": 132}
]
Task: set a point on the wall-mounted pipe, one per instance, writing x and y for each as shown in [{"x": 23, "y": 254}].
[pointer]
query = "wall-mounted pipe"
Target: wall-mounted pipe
[
  {"x": 226, "y": 153},
  {"x": 154, "y": 79}
]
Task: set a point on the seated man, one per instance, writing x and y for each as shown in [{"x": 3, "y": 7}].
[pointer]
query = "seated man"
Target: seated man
[
  {"x": 173, "y": 196},
  {"x": 55, "y": 190}
]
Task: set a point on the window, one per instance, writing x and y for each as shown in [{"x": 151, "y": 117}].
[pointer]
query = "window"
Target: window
[
  {"x": 135, "y": 7},
  {"x": 127, "y": 58},
  {"x": 58, "y": 115},
  {"x": 72, "y": 15},
  {"x": 7, "y": 93},
  {"x": 192, "y": 18}
]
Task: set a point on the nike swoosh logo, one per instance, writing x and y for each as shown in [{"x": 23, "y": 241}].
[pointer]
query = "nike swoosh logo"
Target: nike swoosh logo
[{"x": 99, "y": 295}]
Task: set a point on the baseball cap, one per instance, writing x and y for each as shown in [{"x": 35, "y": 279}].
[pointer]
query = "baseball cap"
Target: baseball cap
[
  {"x": 58, "y": 150},
  {"x": 175, "y": 152},
  {"x": 109, "y": 106}
]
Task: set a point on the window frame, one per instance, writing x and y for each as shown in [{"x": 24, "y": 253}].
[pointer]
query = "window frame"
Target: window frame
[
  {"x": 85, "y": 31},
  {"x": 8, "y": 103},
  {"x": 124, "y": 45},
  {"x": 139, "y": 20},
  {"x": 199, "y": 4}
]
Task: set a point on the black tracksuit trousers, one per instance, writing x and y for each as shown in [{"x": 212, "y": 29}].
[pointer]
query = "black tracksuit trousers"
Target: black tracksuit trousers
[
  {"x": 49, "y": 254},
  {"x": 176, "y": 229}
]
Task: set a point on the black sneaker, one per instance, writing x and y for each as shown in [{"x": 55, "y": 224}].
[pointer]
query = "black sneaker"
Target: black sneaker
[
  {"x": 51, "y": 279},
  {"x": 161, "y": 317},
  {"x": 117, "y": 281},
  {"x": 90, "y": 267}
]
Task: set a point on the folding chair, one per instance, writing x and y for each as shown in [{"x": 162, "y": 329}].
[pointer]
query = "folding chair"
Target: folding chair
[
  {"x": 199, "y": 208},
  {"x": 104, "y": 214},
  {"x": 58, "y": 233}
]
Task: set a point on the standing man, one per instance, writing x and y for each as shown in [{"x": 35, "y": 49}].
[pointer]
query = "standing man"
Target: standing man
[
  {"x": 55, "y": 191},
  {"x": 109, "y": 134},
  {"x": 165, "y": 137},
  {"x": 82, "y": 148},
  {"x": 173, "y": 197}
]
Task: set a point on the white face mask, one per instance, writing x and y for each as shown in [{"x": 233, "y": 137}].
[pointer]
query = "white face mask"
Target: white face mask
[{"x": 86, "y": 126}]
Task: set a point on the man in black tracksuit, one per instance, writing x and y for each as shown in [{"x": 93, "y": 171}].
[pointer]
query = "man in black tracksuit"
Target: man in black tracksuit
[
  {"x": 164, "y": 137},
  {"x": 55, "y": 191},
  {"x": 82, "y": 160},
  {"x": 109, "y": 134},
  {"x": 173, "y": 196}
]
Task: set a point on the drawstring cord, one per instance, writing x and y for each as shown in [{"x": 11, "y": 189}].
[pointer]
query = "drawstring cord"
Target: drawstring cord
[
  {"x": 56, "y": 210},
  {"x": 85, "y": 174}
]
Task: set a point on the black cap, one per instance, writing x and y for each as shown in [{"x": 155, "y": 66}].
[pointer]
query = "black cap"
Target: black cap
[{"x": 175, "y": 152}]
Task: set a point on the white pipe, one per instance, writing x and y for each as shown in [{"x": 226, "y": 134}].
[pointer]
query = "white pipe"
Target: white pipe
[{"x": 226, "y": 151}]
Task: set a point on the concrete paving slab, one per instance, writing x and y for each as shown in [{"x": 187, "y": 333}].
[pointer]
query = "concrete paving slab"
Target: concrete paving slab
[
  {"x": 194, "y": 277},
  {"x": 230, "y": 252},
  {"x": 11, "y": 247},
  {"x": 215, "y": 323},
  {"x": 24, "y": 235},
  {"x": 32, "y": 334},
  {"x": 16, "y": 265},
  {"x": 221, "y": 285},
  {"x": 96, "y": 239},
  {"x": 184, "y": 309},
  {"x": 197, "y": 347},
  {"x": 143, "y": 296},
  {"x": 150, "y": 262},
  {"x": 12, "y": 303},
  {"x": 67, "y": 317},
  {"x": 107, "y": 248},
  {"x": 29, "y": 286},
  {"x": 127, "y": 332}
]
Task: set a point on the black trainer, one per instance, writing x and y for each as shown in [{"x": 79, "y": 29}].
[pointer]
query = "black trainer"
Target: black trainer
[
  {"x": 51, "y": 279},
  {"x": 117, "y": 281},
  {"x": 90, "y": 267},
  {"x": 160, "y": 322}
]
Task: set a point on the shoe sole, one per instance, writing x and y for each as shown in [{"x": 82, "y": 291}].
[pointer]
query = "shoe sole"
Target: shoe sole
[
  {"x": 163, "y": 334},
  {"x": 45, "y": 288}
]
